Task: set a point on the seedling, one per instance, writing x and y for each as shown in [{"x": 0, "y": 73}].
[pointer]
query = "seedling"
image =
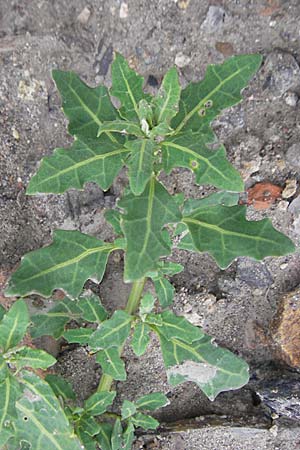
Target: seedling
[{"x": 147, "y": 135}]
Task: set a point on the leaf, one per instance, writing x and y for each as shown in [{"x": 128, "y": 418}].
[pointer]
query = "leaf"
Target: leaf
[
  {"x": 128, "y": 409},
  {"x": 147, "y": 304},
  {"x": 60, "y": 387},
  {"x": 88, "y": 424},
  {"x": 212, "y": 368},
  {"x": 31, "y": 357},
  {"x": 121, "y": 126},
  {"x": 92, "y": 309},
  {"x": 4, "y": 372},
  {"x": 167, "y": 98},
  {"x": 114, "y": 218},
  {"x": 225, "y": 233},
  {"x": 98, "y": 403},
  {"x": 2, "y": 312},
  {"x": 116, "y": 436},
  {"x": 201, "y": 102},
  {"x": 140, "y": 338},
  {"x": 217, "y": 198},
  {"x": 87, "y": 440},
  {"x": 164, "y": 290},
  {"x": 78, "y": 335},
  {"x": 14, "y": 324},
  {"x": 128, "y": 437},
  {"x": 85, "y": 107},
  {"x": 53, "y": 322},
  {"x": 210, "y": 167},
  {"x": 41, "y": 421},
  {"x": 111, "y": 363},
  {"x": 104, "y": 436},
  {"x": 98, "y": 160},
  {"x": 144, "y": 421},
  {"x": 140, "y": 163},
  {"x": 169, "y": 268},
  {"x": 113, "y": 332},
  {"x": 127, "y": 86},
  {"x": 145, "y": 217},
  {"x": 10, "y": 390},
  {"x": 152, "y": 401},
  {"x": 66, "y": 264},
  {"x": 178, "y": 327}
]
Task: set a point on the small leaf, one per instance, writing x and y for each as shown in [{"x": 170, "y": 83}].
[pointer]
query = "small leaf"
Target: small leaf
[
  {"x": 113, "y": 332},
  {"x": 88, "y": 424},
  {"x": 98, "y": 160},
  {"x": 145, "y": 217},
  {"x": 87, "y": 440},
  {"x": 14, "y": 324},
  {"x": 164, "y": 290},
  {"x": 53, "y": 322},
  {"x": 111, "y": 363},
  {"x": 218, "y": 198},
  {"x": 144, "y": 421},
  {"x": 128, "y": 409},
  {"x": 121, "y": 126},
  {"x": 212, "y": 368},
  {"x": 147, "y": 304},
  {"x": 127, "y": 86},
  {"x": 104, "y": 436},
  {"x": 98, "y": 403},
  {"x": 201, "y": 102},
  {"x": 210, "y": 167},
  {"x": 60, "y": 387},
  {"x": 140, "y": 338},
  {"x": 140, "y": 163},
  {"x": 114, "y": 218},
  {"x": 128, "y": 437},
  {"x": 225, "y": 233},
  {"x": 116, "y": 436},
  {"x": 66, "y": 264},
  {"x": 178, "y": 327},
  {"x": 169, "y": 268},
  {"x": 10, "y": 390},
  {"x": 85, "y": 107},
  {"x": 31, "y": 357},
  {"x": 152, "y": 401},
  {"x": 41, "y": 421},
  {"x": 167, "y": 98},
  {"x": 78, "y": 335},
  {"x": 145, "y": 112},
  {"x": 92, "y": 309}
]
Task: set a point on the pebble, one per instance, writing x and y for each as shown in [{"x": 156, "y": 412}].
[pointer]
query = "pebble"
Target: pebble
[
  {"x": 291, "y": 98},
  {"x": 294, "y": 207},
  {"x": 290, "y": 188},
  {"x": 292, "y": 156},
  {"x": 123, "y": 10},
  {"x": 214, "y": 19},
  {"x": 182, "y": 60},
  {"x": 281, "y": 73},
  {"x": 84, "y": 16},
  {"x": 15, "y": 134}
]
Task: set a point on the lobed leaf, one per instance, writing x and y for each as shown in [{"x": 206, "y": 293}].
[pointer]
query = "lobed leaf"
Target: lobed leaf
[
  {"x": 98, "y": 160},
  {"x": 13, "y": 325},
  {"x": 150, "y": 402},
  {"x": 111, "y": 363},
  {"x": 210, "y": 167},
  {"x": 145, "y": 217},
  {"x": 167, "y": 98},
  {"x": 113, "y": 332},
  {"x": 98, "y": 403},
  {"x": 178, "y": 327},
  {"x": 78, "y": 335},
  {"x": 88, "y": 425},
  {"x": 10, "y": 390},
  {"x": 114, "y": 218},
  {"x": 92, "y": 309},
  {"x": 144, "y": 421},
  {"x": 140, "y": 338},
  {"x": 225, "y": 233},
  {"x": 127, "y": 86},
  {"x": 201, "y": 102},
  {"x": 217, "y": 198},
  {"x": 66, "y": 264},
  {"x": 31, "y": 357},
  {"x": 164, "y": 291},
  {"x": 140, "y": 163},
  {"x": 85, "y": 107}
]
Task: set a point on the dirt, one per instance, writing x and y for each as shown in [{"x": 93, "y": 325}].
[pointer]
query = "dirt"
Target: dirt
[{"x": 261, "y": 134}]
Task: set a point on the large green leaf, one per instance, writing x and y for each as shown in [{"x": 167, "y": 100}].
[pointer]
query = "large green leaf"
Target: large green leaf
[
  {"x": 31, "y": 357},
  {"x": 53, "y": 322},
  {"x": 111, "y": 363},
  {"x": 167, "y": 98},
  {"x": 150, "y": 402},
  {"x": 210, "y": 167},
  {"x": 201, "y": 102},
  {"x": 98, "y": 160},
  {"x": 140, "y": 163},
  {"x": 145, "y": 216},
  {"x": 41, "y": 421},
  {"x": 98, "y": 403},
  {"x": 66, "y": 264},
  {"x": 14, "y": 324},
  {"x": 212, "y": 368},
  {"x": 10, "y": 390},
  {"x": 85, "y": 107},
  {"x": 113, "y": 332},
  {"x": 225, "y": 233},
  {"x": 127, "y": 86}
]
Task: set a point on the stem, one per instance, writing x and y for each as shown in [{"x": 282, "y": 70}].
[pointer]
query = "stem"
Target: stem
[{"x": 131, "y": 307}]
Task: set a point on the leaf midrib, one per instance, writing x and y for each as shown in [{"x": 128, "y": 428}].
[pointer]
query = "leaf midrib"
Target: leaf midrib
[{"x": 129, "y": 92}]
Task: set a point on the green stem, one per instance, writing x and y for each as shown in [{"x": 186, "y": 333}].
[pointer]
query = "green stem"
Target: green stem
[{"x": 131, "y": 307}]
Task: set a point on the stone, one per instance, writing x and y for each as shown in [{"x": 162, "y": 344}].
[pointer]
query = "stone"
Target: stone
[
  {"x": 84, "y": 16},
  {"x": 281, "y": 73},
  {"x": 123, "y": 10},
  {"x": 282, "y": 397},
  {"x": 182, "y": 60},
  {"x": 291, "y": 99},
  {"x": 294, "y": 207},
  {"x": 214, "y": 19},
  {"x": 285, "y": 329},
  {"x": 293, "y": 157},
  {"x": 226, "y": 48},
  {"x": 290, "y": 188}
]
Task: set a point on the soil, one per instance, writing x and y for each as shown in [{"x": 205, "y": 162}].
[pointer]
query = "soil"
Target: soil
[{"x": 262, "y": 136}]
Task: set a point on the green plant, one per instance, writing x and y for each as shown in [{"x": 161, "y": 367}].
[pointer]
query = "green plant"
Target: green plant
[{"x": 148, "y": 135}]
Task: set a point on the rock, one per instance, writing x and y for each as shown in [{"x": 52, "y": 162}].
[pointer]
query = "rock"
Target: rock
[
  {"x": 290, "y": 188},
  {"x": 226, "y": 48},
  {"x": 285, "y": 329},
  {"x": 182, "y": 60},
  {"x": 283, "y": 397},
  {"x": 293, "y": 157},
  {"x": 291, "y": 98},
  {"x": 84, "y": 16},
  {"x": 263, "y": 195},
  {"x": 123, "y": 10},
  {"x": 282, "y": 73},
  {"x": 294, "y": 207},
  {"x": 254, "y": 273},
  {"x": 214, "y": 19}
]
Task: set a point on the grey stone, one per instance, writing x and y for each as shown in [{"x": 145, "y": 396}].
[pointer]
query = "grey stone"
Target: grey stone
[
  {"x": 214, "y": 19},
  {"x": 292, "y": 157},
  {"x": 282, "y": 73},
  {"x": 291, "y": 99}
]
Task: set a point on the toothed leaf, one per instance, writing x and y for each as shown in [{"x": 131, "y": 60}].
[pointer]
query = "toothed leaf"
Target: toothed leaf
[
  {"x": 111, "y": 363},
  {"x": 113, "y": 332},
  {"x": 13, "y": 325},
  {"x": 140, "y": 163}
]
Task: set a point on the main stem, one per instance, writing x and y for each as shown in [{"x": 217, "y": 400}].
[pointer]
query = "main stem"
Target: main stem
[{"x": 131, "y": 307}]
